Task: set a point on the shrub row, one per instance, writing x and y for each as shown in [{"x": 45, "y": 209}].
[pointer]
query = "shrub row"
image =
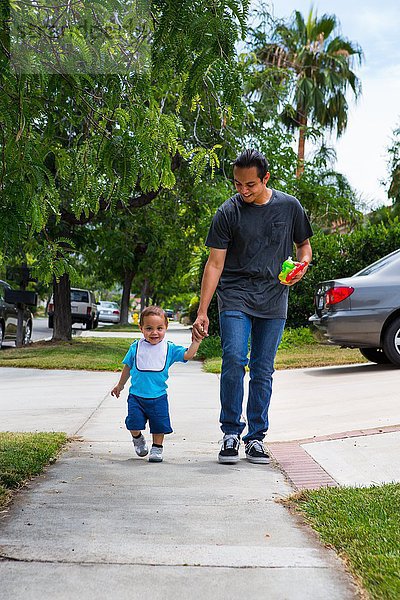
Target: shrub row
[
  {"x": 334, "y": 256},
  {"x": 210, "y": 347}
]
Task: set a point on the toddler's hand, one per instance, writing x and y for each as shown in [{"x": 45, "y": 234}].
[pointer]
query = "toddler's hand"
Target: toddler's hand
[
  {"x": 116, "y": 391},
  {"x": 196, "y": 337}
]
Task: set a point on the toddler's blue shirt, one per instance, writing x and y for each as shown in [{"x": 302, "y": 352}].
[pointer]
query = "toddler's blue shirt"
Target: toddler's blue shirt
[{"x": 151, "y": 384}]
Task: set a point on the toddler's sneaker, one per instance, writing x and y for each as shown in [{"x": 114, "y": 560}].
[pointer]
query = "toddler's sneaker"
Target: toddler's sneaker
[
  {"x": 156, "y": 454},
  {"x": 256, "y": 453},
  {"x": 229, "y": 453},
  {"x": 141, "y": 448}
]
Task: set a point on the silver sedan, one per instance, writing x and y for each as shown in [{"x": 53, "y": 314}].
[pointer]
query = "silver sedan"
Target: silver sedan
[
  {"x": 108, "y": 312},
  {"x": 363, "y": 311}
]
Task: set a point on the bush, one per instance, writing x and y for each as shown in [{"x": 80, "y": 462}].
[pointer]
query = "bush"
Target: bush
[
  {"x": 210, "y": 347},
  {"x": 192, "y": 310},
  {"x": 213, "y": 315},
  {"x": 294, "y": 338}
]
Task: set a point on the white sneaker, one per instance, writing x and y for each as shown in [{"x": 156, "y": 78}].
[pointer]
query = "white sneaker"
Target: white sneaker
[
  {"x": 141, "y": 448},
  {"x": 156, "y": 454}
]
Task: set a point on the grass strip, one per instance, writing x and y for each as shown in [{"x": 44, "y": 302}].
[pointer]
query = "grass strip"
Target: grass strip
[
  {"x": 312, "y": 355},
  {"x": 363, "y": 526},
  {"x": 84, "y": 354},
  {"x": 106, "y": 354},
  {"x": 24, "y": 455}
]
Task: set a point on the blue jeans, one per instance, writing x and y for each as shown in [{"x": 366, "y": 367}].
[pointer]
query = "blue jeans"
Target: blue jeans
[{"x": 266, "y": 334}]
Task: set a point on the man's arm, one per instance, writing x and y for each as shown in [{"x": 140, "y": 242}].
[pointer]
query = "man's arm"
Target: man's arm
[
  {"x": 303, "y": 253},
  {"x": 211, "y": 276}
]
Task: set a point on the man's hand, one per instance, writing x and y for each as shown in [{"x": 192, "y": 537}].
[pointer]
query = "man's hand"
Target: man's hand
[
  {"x": 200, "y": 327},
  {"x": 297, "y": 277}
]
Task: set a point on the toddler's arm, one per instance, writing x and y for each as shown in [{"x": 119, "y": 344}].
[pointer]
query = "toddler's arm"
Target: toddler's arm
[
  {"x": 191, "y": 351},
  {"x": 122, "y": 381}
]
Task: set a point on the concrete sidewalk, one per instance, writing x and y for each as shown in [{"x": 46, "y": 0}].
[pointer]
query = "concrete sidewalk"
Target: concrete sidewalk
[{"x": 102, "y": 523}]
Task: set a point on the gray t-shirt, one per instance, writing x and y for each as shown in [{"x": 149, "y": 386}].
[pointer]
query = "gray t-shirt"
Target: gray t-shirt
[{"x": 258, "y": 238}]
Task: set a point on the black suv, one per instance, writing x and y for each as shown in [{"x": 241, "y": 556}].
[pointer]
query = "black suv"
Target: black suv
[{"x": 8, "y": 319}]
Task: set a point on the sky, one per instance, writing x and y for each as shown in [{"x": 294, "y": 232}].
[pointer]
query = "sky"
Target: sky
[{"x": 362, "y": 150}]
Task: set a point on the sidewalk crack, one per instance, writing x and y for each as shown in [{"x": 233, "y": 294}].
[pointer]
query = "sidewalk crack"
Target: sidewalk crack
[{"x": 91, "y": 414}]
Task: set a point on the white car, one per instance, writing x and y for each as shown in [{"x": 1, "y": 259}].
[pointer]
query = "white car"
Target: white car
[
  {"x": 108, "y": 312},
  {"x": 83, "y": 309}
]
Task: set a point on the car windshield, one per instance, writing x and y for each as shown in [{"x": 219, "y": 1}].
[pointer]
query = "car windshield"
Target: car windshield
[
  {"x": 109, "y": 305},
  {"x": 79, "y": 296},
  {"x": 379, "y": 264}
]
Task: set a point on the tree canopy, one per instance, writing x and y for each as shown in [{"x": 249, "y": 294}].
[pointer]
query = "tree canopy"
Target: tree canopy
[
  {"x": 316, "y": 63},
  {"x": 73, "y": 144}
]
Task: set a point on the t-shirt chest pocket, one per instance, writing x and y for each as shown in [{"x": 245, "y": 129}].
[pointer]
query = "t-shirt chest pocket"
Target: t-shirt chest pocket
[{"x": 278, "y": 232}]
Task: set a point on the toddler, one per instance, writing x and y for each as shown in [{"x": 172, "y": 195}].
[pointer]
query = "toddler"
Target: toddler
[{"x": 146, "y": 363}]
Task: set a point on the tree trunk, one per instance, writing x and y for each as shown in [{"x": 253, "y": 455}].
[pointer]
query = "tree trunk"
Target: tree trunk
[
  {"x": 126, "y": 293},
  {"x": 301, "y": 146},
  {"x": 19, "y": 342},
  {"x": 144, "y": 296},
  {"x": 62, "y": 331}
]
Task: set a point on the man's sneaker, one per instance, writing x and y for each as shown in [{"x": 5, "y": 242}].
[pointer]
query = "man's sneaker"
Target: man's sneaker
[
  {"x": 141, "y": 448},
  {"x": 229, "y": 453},
  {"x": 256, "y": 453},
  {"x": 156, "y": 454}
]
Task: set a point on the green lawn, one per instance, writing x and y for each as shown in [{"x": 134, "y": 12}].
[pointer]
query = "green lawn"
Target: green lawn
[
  {"x": 106, "y": 354},
  {"x": 313, "y": 355},
  {"x": 23, "y": 455},
  {"x": 87, "y": 354},
  {"x": 363, "y": 525}
]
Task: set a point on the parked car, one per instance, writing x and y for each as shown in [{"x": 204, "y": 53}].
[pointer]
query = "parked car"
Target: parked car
[
  {"x": 83, "y": 309},
  {"x": 363, "y": 311},
  {"x": 169, "y": 313},
  {"x": 108, "y": 312},
  {"x": 8, "y": 319}
]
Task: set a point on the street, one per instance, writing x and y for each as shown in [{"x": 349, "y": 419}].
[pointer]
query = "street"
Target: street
[{"x": 41, "y": 331}]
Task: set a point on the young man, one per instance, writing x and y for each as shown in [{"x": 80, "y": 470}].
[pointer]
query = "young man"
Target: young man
[{"x": 251, "y": 235}]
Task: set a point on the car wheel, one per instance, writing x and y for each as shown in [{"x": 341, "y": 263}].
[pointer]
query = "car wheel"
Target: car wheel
[
  {"x": 51, "y": 322},
  {"x": 1, "y": 335},
  {"x": 375, "y": 355},
  {"x": 95, "y": 323},
  {"x": 89, "y": 324},
  {"x": 391, "y": 342},
  {"x": 28, "y": 334}
]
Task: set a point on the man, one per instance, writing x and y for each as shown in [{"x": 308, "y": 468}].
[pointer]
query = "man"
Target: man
[{"x": 251, "y": 235}]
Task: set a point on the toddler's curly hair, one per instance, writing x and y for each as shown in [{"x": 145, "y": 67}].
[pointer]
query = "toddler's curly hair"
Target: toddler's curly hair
[{"x": 152, "y": 310}]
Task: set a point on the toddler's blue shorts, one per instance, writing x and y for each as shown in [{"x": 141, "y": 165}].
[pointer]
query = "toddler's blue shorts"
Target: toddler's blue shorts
[{"x": 153, "y": 410}]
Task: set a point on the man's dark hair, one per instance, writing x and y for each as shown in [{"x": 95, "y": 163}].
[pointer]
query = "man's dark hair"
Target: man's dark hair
[{"x": 252, "y": 158}]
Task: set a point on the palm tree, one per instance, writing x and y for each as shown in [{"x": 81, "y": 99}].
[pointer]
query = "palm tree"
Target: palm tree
[{"x": 319, "y": 62}]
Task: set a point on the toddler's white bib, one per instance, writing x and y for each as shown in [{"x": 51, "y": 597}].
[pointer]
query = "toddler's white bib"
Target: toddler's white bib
[{"x": 151, "y": 357}]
